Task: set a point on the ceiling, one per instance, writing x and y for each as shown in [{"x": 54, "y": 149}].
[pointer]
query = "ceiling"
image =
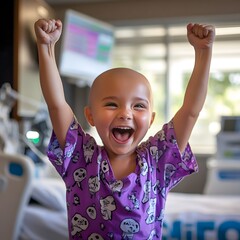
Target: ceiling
[{"x": 55, "y": 2}]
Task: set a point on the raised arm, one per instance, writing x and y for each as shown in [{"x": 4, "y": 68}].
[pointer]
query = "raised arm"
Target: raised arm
[
  {"x": 201, "y": 37},
  {"x": 48, "y": 32}
]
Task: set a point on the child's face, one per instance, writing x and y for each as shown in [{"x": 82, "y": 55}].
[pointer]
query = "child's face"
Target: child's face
[{"x": 120, "y": 109}]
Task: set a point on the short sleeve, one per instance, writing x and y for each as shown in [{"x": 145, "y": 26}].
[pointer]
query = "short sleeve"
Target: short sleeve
[
  {"x": 172, "y": 165},
  {"x": 179, "y": 164},
  {"x": 60, "y": 158}
]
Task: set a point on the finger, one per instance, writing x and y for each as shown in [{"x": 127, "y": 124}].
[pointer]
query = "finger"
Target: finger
[
  {"x": 210, "y": 29},
  {"x": 189, "y": 27},
  {"x": 197, "y": 30},
  {"x": 51, "y": 26},
  {"x": 44, "y": 26},
  {"x": 205, "y": 32},
  {"x": 41, "y": 24},
  {"x": 58, "y": 23},
  {"x": 201, "y": 30}
]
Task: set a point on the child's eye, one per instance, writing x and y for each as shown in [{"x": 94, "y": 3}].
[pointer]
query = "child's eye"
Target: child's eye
[
  {"x": 111, "y": 104},
  {"x": 139, "y": 106}
]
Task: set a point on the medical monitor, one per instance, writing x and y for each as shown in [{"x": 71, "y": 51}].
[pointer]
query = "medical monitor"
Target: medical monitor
[{"x": 86, "y": 49}]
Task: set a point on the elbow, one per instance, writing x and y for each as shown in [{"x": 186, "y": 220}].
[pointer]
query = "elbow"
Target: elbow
[{"x": 192, "y": 113}]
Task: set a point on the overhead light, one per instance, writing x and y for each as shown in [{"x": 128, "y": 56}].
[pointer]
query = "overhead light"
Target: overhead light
[
  {"x": 151, "y": 32},
  {"x": 42, "y": 11},
  {"x": 125, "y": 33},
  {"x": 228, "y": 31}
]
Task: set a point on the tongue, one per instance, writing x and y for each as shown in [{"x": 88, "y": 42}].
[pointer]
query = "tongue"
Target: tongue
[{"x": 121, "y": 136}]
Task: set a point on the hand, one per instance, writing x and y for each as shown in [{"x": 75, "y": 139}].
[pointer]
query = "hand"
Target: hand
[
  {"x": 48, "y": 31},
  {"x": 200, "y": 36}
]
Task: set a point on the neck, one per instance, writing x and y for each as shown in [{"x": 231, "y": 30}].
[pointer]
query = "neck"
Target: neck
[{"x": 123, "y": 165}]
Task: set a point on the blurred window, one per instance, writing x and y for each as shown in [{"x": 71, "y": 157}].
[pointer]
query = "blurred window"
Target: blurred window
[{"x": 164, "y": 56}]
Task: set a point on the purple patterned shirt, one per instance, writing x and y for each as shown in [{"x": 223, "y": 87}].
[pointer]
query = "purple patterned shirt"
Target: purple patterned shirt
[{"x": 101, "y": 207}]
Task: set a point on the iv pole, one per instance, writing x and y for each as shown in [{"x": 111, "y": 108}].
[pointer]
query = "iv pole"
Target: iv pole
[{"x": 8, "y": 97}]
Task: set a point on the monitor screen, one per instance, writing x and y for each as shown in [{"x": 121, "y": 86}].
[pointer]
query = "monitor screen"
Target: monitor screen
[
  {"x": 230, "y": 124},
  {"x": 86, "y": 49}
]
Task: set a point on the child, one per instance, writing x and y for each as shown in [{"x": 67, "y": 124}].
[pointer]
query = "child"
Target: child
[{"x": 119, "y": 190}]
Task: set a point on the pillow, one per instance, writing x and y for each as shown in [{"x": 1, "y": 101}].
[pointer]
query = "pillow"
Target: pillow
[{"x": 50, "y": 192}]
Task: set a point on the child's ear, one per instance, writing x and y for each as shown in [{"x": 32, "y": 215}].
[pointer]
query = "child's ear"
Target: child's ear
[
  {"x": 152, "y": 119},
  {"x": 88, "y": 115}
]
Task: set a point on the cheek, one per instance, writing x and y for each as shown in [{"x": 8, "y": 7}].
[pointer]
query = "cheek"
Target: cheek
[
  {"x": 103, "y": 119},
  {"x": 145, "y": 119}
]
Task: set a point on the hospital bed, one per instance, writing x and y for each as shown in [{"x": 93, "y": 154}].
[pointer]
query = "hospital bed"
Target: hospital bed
[
  {"x": 34, "y": 208},
  {"x": 187, "y": 216},
  {"x": 16, "y": 174}
]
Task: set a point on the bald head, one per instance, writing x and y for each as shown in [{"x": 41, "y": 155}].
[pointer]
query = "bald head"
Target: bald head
[{"x": 121, "y": 78}]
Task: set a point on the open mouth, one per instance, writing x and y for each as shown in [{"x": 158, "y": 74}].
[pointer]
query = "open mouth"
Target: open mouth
[{"x": 122, "y": 134}]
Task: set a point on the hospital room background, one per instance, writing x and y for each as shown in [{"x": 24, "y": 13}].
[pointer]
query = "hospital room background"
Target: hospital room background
[{"x": 148, "y": 36}]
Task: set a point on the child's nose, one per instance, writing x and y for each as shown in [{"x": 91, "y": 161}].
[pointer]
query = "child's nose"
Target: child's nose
[{"x": 125, "y": 114}]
